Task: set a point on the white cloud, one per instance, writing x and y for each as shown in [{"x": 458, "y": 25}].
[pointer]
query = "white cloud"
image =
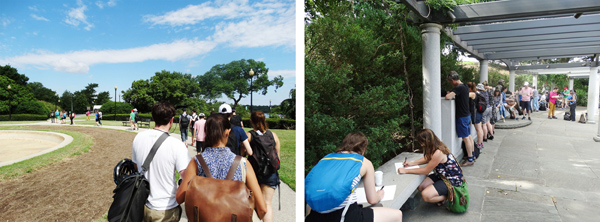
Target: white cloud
[
  {"x": 5, "y": 21},
  {"x": 80, "y": 61},
  {"x": 100, "y": 4},
  {"x": 111, "y": 3},
  {"x": 76, "y": 16},
  {"x": 193, "y": 14},
  {"x": 41, "y": 18},
  {"x": 286, "y": 74},
  {"x": 267, "y": 23},
  {"x": 33, "y": 8}
]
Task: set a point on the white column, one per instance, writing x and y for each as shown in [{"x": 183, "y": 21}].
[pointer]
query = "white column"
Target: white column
[
  {"x": 483, "y": 71},
  {"x": 511, "y": 81},
  {"x": 534, "y": 83},
  {"x": 571, "y": 80},
  {"x": 592, "y": 106},
  {"x": 432, "y": 92}
]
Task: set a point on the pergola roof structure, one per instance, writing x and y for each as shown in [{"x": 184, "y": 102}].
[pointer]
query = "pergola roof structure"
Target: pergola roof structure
[
  {"x": 512, "y": 31},
  {"x": 518, "y": 30}
]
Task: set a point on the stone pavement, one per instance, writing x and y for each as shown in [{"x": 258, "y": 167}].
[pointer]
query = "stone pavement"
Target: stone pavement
[
  {"x": 546, "y": 171},
  {"x": 288, "y": 196}
]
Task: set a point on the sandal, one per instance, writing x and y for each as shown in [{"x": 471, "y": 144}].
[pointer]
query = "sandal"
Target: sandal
[{"x": 441, "y": 203}]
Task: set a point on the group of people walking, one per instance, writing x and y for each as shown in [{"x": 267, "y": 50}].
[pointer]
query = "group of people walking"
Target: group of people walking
[
  {"x": 218, "y": 144},
  {"x": 61, "y": 117}
]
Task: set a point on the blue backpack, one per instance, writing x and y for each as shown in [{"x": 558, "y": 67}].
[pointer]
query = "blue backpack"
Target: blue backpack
[{"x": 329, "y": 183}]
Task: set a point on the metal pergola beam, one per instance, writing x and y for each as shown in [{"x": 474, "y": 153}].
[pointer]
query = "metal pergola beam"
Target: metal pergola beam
[
  {"x": 518, "y": 9},
  {"x": 557, "y": 38},
  {"x": 535, "y": 47},
  {"x": 529, "y": 24},
  {"x": 531, "y": 32},
  {"x": 553, "y": 52},
  {"x": 554, "y": 66}
]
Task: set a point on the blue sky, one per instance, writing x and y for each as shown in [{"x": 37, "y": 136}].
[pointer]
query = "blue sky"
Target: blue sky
[{"x": 67, "y": 44}]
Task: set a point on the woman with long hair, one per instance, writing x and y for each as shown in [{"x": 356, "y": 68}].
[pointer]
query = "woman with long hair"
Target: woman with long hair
[
  {"x": 438, "y": 158},
  {"x": 270, "y": 182},
  {"x": 499, "y": 104},
  {"x": 219, "y": 159},
  {"x": 353, "y": 149}
]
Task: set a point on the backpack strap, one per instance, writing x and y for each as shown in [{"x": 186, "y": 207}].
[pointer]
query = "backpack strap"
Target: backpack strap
[
  {"x": 234, "y": 165},
  {"x": 204, "y": 166},
  {"x": 150, "y": 156}
]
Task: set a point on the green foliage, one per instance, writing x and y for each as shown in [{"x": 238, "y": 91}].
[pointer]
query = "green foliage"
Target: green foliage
[
  {"x": 19, "y": 96},
  {"x": 274, "y": 123},
  {"x": 13, "y": 74},
  {"x": 233, "y": 80},
  {"x": 173, "y": 87},
  {"x": 122, "y": 108},
  {"x": 24, "y": 117},
  {"x": 50, "y": 106},
  {"x": 364, "y": 73},
  {"x": 32, "y": 107},
  {"x": 42, "y": 93}
]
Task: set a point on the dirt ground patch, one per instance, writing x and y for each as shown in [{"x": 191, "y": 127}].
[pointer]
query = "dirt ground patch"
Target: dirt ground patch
[{"x": 74, "y": 189}]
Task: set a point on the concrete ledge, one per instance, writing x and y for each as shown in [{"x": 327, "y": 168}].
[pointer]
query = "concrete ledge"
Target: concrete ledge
[
  {"x": 406, "y": 184},
  {"x": 513, "y": 124}
]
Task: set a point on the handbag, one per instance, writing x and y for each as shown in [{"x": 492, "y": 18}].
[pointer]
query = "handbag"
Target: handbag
[
  {"x": 211, "y": 199},
  {"x": 458, "y": 197},
  {"x": 132, "y": 190}
]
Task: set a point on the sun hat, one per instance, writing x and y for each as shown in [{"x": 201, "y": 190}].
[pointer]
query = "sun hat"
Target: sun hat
[
  {"x": 526, "y": 84},
  {"x": 480, "y": 87}
]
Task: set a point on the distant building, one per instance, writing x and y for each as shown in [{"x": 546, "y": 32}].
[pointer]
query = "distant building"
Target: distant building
[{"x": 97, "y": 108}]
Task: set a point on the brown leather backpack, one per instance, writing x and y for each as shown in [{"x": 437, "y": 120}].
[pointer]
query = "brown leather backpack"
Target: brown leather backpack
[{"x": 210, "y": 199}]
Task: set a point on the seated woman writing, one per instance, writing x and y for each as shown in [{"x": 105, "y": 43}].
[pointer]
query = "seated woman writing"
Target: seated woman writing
[
  {"x": 330, "y": 186},
  {"x": 441, "y": 161}
]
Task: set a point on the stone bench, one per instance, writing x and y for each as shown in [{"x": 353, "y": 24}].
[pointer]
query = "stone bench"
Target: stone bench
[{"x": 406, "y": 184}]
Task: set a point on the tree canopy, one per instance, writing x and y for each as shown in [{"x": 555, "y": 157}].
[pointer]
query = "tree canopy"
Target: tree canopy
[{"x": 233, "y": 80}]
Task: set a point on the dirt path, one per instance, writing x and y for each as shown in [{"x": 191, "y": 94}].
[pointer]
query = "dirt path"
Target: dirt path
[{"x": 74, "y": 189}]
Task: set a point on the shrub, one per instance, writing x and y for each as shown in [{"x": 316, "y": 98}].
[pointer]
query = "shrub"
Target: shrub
[
  {"x": 122, "y": 108},
  {"x": 32, "y": 107},
  {"x": 274, "y": 123},
  {"x": 122, "y": 117},
  {"x": 24, "y": 117}
]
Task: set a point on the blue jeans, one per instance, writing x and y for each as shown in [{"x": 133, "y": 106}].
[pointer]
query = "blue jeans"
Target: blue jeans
[
  {"x": 184, "y": 134},
  {"x": 536, "y": 103}
]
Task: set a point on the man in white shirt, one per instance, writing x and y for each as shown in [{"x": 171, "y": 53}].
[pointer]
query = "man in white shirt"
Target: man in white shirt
[{"x": 172, "y": 156}]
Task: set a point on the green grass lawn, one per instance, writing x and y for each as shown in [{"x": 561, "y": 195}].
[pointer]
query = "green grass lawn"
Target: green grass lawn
[
  {"x": 20, "y": 122},
  {"x": 81, "y": 144},
  {"x": 287, "y": 173}
]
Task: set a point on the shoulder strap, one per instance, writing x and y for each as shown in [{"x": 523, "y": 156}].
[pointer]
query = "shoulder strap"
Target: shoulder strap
[
  {"x": 150, "y": 156},
  {"x": 234, "y": 165},
  {"x": 204, "y": 166}
]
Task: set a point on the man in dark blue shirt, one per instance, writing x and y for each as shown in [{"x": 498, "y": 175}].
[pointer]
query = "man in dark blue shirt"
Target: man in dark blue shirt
[{"x": 237, "y": 136}]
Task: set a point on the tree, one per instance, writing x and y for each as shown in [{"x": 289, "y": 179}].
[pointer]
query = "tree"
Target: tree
[
  {"x": 233, "y": 80},
  {"x": 288, "y": 106},
  {"x": 42, "y": 93},
  {"x": 103, "y": 97},
  {"x": 13, "y": 74},
  {"x": 174, "y": 87}
]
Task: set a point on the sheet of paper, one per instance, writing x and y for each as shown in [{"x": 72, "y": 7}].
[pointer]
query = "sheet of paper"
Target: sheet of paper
[
  {"x": 400, "y": 165},
  {"x": 390, "y": 191}
]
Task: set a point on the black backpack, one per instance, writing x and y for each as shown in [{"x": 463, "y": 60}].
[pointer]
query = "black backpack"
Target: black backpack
[
  {"x": 132, "y": 189},
  {"x": 233, "y": 143},
  {"x": 185, "y": 121},
  {"x": 264, "y": 159},
  {"x": 480, "y": 104}
]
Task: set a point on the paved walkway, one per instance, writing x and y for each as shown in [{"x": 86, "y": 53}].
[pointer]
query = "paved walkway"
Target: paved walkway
[
  {"x": 288, "y": 196},
  {"x": 546, "y": 171}
]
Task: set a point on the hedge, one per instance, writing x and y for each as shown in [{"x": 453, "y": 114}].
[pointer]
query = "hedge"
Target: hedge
[
  {"x": 24, "y": 117},
  {"x": 274, "y": 123}
]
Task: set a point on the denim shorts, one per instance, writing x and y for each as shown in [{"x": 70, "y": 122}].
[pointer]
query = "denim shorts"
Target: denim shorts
[
  {"x": 478, "y": 117},
  {"x": 271, "y": 181},
  {"x": 463, "y": 126}
]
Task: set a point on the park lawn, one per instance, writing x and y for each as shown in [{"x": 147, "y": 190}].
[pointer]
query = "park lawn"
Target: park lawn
[
  {"x": 81, "y": 144},
  {"x": 287, "y": 172}
]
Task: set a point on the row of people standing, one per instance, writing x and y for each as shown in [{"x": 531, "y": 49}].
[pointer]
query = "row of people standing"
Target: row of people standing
[
  {"x": 216, "y": 150},
  {"x": 61, "y": 117}
]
